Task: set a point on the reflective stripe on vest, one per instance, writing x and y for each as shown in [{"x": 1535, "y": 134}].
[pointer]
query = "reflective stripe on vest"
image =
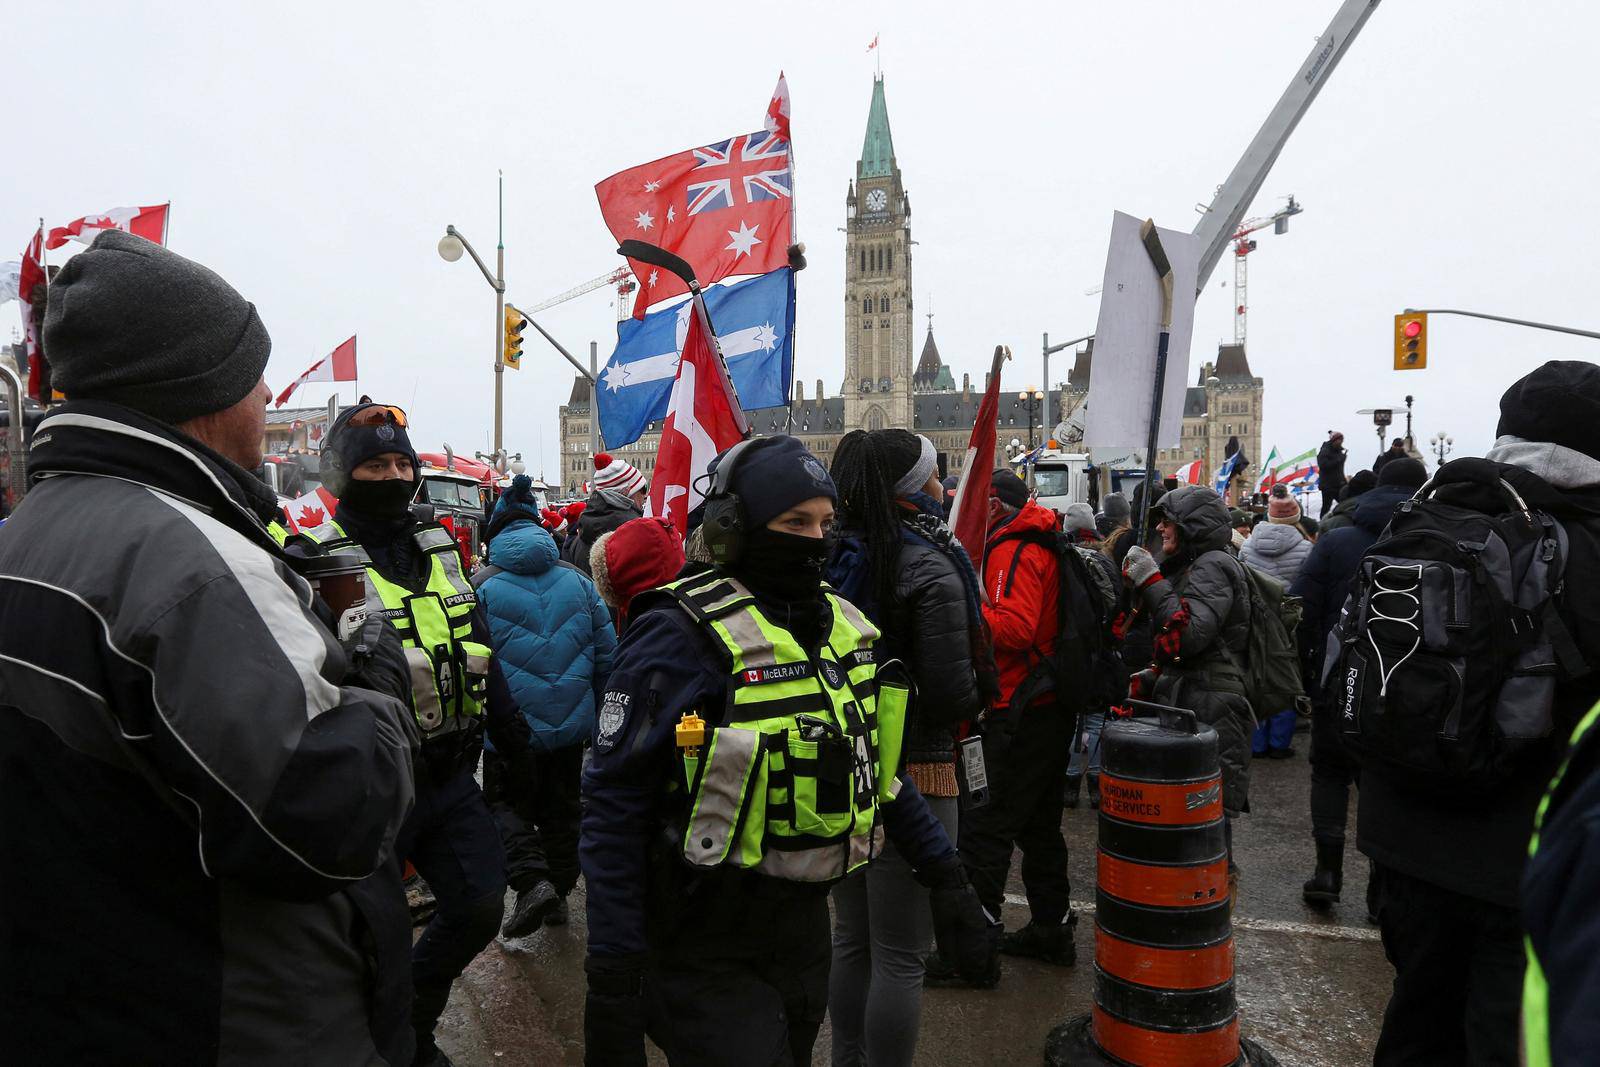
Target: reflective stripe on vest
[
  {"x": 793, "y": 772},
  {"x": 1535, "y": 991},
  {"x": 449, "y": 672}
]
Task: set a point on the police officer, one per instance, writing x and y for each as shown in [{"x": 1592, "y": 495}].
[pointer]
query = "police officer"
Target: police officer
[
  {"x": 744, "y": 762},
  {"x": 415, "y": 580}
]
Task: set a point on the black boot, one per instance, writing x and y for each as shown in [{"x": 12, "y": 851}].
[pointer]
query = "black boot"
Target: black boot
[
  {"x": 1051, "y": 943},
  {"x": 1322, "y": 890},
  {"x": 1069, "y": 793},
  {"x": 1094, "y": 790},
  {"x": 530, "y": 909}
]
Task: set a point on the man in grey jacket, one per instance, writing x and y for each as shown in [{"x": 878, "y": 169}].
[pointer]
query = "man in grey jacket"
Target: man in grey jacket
[{"x": 199, "y": 786}]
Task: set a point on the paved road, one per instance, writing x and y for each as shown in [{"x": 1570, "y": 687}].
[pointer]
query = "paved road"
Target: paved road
[{"x": 1311, "y": 987}]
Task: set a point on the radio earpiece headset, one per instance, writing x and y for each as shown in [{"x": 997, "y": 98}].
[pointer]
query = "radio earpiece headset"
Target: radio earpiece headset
[{"x": 723, "y": 527}]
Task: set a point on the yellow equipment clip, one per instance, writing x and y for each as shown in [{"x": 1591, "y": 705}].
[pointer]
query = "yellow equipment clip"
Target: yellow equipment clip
[{"x": 691, "y": 734}]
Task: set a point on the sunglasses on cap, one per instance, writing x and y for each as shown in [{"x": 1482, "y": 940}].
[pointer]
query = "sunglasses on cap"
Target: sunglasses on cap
[{"x": 378, "y": 415}]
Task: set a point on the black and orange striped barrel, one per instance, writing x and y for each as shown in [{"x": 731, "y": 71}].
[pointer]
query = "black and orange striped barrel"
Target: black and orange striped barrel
[{"x": 1163, "y": 931}]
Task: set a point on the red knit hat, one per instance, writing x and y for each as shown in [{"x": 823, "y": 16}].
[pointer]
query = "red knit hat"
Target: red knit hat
[
  {"x": 638, "y": 555},
  {"x": 574, "y": 510}
]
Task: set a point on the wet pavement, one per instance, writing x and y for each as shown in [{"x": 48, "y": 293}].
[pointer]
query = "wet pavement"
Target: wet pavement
[{"x": 1311, "y": 986}]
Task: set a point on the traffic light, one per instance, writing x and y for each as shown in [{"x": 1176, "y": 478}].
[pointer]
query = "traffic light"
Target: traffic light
[
  {"x": 515, "y": 324},
  {"x": 1411, "y": 340}
]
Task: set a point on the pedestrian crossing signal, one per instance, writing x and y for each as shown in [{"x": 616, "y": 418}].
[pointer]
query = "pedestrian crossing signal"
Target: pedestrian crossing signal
[
  {"x": 511, "y": 356},
  {"x": 1411, "y": 340}
]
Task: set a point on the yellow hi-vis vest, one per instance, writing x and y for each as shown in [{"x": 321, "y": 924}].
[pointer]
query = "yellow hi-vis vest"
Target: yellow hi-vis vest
[
  {"x": 1535, "y": 991},
  {"x": 449, "y": 670},
  {"x": 804, "y": 751}
]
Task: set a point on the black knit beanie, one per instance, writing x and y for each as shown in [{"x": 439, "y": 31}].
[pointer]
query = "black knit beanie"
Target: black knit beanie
[
  {"x": 1405, "y": 472},
  {"x": 773, "y": 476},
  {"x": 347, "y": 447},
  {"x": 130, "y": 322},
  {"x": 1012, "y": 490},
  {"x": 1558, "y": 403},
  {"x": 1359, "y": 483}
]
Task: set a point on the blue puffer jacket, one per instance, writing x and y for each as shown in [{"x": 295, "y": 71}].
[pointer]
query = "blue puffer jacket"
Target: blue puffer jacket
[{"x": 552, "y": 635}]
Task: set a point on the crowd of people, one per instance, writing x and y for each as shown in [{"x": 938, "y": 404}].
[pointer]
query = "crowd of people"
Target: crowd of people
[{"x": 216, "y": 778}]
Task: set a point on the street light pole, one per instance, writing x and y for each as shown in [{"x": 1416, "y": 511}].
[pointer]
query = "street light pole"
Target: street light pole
[
  {"x": 1050, "y": 350},
  {"x": 451, "y": 245}
]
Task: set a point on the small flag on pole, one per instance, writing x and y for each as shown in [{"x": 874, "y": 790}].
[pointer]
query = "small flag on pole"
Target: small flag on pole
[
  {"x": 147, "y": 222},
  {"x": 1189, "y": 473},
  {"x": 777, "y": 120},
  {"x": 969, "y": 515},
  {"x": 337, "y": 366}
]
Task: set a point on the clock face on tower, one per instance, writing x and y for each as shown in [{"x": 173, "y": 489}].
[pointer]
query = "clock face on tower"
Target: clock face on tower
[{"x": 877, "y": 200}]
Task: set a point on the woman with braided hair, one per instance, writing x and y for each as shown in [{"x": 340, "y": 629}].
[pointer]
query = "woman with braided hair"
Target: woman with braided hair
[{"x": 897, "y": 560}]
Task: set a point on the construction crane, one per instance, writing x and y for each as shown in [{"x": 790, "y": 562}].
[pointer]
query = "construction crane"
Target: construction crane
[
  {"x": 1242, "y": 247},
  {"x": 622, "y": 278}
]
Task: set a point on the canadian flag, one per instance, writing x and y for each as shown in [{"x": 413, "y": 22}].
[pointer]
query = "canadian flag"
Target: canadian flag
[
  {"x": 969, "y": 515},
  {"x": 31, "y": 274},
  {"x": 337, "y": 366},
  {"x": 703, "y": 418},
  {"x": 777, "y": 120},
  {"x": 147, "y": 222},
  {"x": 1188, "y": 474},
  {"x": 310, "y": 511}
]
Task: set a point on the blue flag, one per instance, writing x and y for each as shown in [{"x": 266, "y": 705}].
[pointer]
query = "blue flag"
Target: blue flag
[
  {"x": 754, "y": 320},
  {"x": 1225, "y": 472}
]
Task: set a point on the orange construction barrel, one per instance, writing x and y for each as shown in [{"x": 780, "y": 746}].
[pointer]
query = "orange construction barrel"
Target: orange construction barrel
[{"x": 1163, "y": 993}]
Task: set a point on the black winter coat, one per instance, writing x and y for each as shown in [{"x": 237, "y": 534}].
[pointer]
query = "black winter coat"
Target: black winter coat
[
  {"x": 605, "y": 511},
  {"x": 1206, "y": 579},
  {"x": 1330, "y": 468},
  {"x": 1342, "y": 515},
  {"x": 1480, "y": 849},
  {"x": 928, "y": 628}
]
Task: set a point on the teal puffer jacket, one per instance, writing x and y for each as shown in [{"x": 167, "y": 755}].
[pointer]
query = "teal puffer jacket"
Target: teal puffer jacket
[{"x": 552, "y": 635}]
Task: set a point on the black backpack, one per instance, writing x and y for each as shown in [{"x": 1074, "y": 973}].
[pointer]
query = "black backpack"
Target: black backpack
[
  {"x": 1450, "y": 645},
  {"x": 1086, "y": 605}
]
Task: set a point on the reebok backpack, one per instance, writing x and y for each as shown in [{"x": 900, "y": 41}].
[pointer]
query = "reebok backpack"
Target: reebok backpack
[{"x": 1450, "y": 646}]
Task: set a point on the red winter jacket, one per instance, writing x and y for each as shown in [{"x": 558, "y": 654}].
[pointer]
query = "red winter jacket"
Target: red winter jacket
[{"x": 1020, "y": 583}]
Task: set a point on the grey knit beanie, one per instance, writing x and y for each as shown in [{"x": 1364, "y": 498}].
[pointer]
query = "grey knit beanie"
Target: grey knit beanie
[{"x": 131, "y": 322}]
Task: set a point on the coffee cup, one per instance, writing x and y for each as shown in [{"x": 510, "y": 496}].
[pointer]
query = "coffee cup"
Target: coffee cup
[{"x": 340, "y": 579}]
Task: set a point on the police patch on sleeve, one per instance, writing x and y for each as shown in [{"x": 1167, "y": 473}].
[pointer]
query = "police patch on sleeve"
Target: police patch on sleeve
[{"x": 612, "y": 718}]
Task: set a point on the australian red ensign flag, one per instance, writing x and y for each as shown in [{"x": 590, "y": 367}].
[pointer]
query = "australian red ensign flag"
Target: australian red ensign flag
[
  {"x": 337, "y": 366},
  {"x": 726, "y": 208},
  {"x": 702, "y": 419}
]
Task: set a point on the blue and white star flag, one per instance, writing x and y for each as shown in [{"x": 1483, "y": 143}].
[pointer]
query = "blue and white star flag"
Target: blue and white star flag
[
  {"x": 1226, "y": 471},
  {"x": 754, "y": 320}
]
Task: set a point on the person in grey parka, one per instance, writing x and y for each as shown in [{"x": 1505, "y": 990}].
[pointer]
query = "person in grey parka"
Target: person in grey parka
[
  {"x": 1200, "y": 610},
  {"x": 1278, "y": 547}
]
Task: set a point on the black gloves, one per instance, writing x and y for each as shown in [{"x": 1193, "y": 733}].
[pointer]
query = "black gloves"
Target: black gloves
[
  {"x": 613, "y": 1012},
  {"x": 964, "y": 933},
  {"x": 378, "y": 660}
]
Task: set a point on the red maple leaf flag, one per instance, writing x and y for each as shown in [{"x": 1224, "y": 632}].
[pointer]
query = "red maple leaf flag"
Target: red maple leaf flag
[
  {"x": 703, "y": 418},
  {"x": 337, "y": 366},
  {"x": 777, "y": 120},
  {"x": 726, "y": 208},
  {"x": 969, "y": 516},
  {"x": 309, "y": 511},
  {"x": 31, "y": 275},
  {"x": 147, "y": 222}
]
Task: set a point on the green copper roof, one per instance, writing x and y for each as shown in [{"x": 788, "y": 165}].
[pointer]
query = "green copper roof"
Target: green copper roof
[{"x": 877, "y": 151}]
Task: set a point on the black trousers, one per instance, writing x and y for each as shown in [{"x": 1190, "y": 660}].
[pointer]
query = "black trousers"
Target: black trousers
[
  {"x": 741, "y": 981},
  {"x": 1458, "y": 965},
  {"x": 1333, "y": 772},
  {"x": 451, "y": 839},
  {"x": 1025, "y": 753},
  {"x": 538, "y": 826}
]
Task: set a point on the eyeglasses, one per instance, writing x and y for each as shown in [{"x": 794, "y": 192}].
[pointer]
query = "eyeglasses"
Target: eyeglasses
[{"x": 377, "y": 415}]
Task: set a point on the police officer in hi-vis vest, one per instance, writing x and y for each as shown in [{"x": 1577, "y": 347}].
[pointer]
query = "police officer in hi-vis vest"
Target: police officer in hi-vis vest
[
  {"x": 745, "y": 760},
  {"x": 416, "y": 581}
]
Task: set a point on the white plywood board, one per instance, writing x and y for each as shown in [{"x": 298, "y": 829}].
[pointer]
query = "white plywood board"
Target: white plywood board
[{"x": 1126, "y": 335}]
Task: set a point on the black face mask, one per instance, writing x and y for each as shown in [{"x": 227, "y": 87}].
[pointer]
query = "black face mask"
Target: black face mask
[
  {"x": 388, "y": 499},
  {"x": 782, "y": 566}
]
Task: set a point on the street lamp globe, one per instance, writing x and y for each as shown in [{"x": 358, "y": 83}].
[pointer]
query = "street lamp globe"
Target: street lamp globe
[
  {"x": 519, "y": 467},
  {"x": 450, "y": 248}
]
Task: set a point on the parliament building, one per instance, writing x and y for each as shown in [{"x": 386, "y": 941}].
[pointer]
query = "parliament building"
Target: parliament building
[{"x": 882, "y": 386}]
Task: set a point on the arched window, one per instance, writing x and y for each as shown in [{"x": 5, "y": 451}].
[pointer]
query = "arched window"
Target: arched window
[
  {"x": 875, "y": 419},
  {"x": 863, "y": 261},
  {"x": 866, "y": 305},
  {"x": 883, "y": 305},
  {"x": 889, "y": 257}
]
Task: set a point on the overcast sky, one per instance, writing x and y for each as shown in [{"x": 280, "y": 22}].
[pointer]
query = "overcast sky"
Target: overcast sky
[{"x": 314, "y": 153}]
